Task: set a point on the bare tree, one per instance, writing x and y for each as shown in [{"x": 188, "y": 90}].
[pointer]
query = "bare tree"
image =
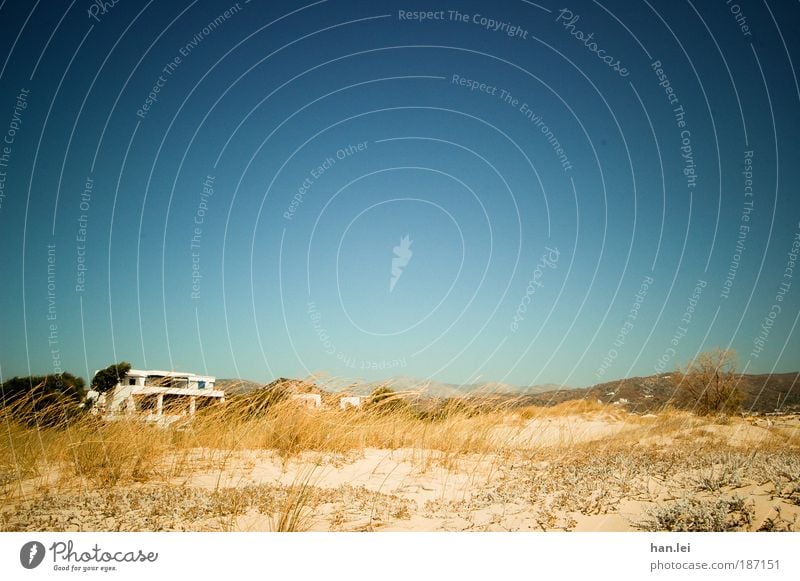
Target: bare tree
[{"x": 710, "y": 384}]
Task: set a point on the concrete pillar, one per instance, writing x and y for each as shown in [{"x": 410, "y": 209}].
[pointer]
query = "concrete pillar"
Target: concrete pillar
[
  {"x": 192, "y": 405},
  {"x": 160, "y": 405}
]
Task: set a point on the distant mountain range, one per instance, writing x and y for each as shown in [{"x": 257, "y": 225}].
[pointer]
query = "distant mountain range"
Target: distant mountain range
[
  {"x": 237, "y": 386},
  {"x": 423, "y": 387},
  {"x": 430, "y": 388},
  {"x": 763, "y": 393}
]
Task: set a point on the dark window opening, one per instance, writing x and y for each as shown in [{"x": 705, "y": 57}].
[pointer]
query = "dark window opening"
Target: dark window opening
[
  {"x": 175, "y": 404},
  {"x": 146, "y": 403}
]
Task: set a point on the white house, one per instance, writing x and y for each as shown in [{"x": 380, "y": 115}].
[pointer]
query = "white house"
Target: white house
[
  {"x": 349, "y": 401},
  {"x": 309, "y": 400},
  {"x": 159, "y": 396}
]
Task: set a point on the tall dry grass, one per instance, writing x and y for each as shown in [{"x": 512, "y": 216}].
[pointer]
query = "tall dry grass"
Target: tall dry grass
[
  {"x": 101, "y": 453},
  {"x": 254, "y": 422},
  {"x": 88, "y": 450},
  {"x": 671, "y": 449}
]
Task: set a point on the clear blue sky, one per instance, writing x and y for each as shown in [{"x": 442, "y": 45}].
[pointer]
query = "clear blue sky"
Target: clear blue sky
[{"x": 588, "y": 193}]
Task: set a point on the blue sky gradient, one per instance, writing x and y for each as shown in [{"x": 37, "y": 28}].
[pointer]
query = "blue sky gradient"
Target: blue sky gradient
[{"x": 243, "y": 224}]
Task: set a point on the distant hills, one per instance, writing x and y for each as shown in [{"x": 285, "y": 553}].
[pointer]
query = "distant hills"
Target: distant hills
[
  {"x": 430, "y": 388},
  {"x": 424, "y": 387},
  {"x": 237, "y": 386},
  {"x": 763, "y": 393}
]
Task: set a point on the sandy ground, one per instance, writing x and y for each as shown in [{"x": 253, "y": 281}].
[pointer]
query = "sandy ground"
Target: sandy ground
[{"x": 582, "y": 473}]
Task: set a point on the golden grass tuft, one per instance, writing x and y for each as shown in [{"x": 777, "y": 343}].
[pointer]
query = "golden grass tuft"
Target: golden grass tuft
[{"x": 567, "y": 408}]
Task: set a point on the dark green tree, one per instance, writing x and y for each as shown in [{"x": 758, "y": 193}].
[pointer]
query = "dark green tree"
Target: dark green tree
[
  {"x": 43, "y": 400},
  {"x": 69, "y": 385},
  {"x": 107, "y": 378}
]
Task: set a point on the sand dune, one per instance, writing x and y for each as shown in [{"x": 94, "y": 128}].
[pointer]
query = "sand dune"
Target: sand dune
[{"x": 595, "y": 470}]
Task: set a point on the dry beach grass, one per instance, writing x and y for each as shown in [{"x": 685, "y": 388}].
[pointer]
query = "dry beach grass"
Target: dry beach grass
[{"x": 473, "y": 464}]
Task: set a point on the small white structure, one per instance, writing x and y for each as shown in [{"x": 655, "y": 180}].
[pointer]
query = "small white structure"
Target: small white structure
[
  {"x": 159, "y": 396},
  {"x": 309, "y": 400},
  {"x": 349, "y": 401}
]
